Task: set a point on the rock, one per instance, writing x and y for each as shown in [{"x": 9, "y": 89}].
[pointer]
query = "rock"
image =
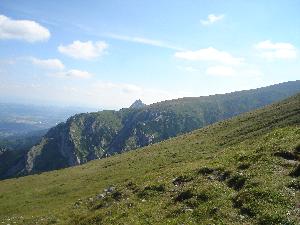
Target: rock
[
  {"x": 138, "y": 104},
  {"x": 188, "y": 210},
  {"x": 102, "y": 195},
  {"x": 111, "y": 189}
]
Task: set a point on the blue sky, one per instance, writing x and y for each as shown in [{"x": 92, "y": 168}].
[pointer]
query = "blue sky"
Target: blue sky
[{"x": 106, "y": 54}]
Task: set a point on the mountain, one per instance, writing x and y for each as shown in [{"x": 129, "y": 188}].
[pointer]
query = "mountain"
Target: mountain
[
  {"x": 21, "y": 127},
  {"x": 13, "y": 150},
  {"x": 244, "y": 170},
  {"x": 89, "y": 136},
  {"x": 138, "y": 104}
]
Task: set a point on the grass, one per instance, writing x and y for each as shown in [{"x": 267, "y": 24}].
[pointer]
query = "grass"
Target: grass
[{"x": 233, "y": 172}]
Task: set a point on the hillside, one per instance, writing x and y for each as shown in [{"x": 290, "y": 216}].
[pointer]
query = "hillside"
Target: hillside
[
  {"x": 21, "y": 127},
  {"x": 89, "y": 136},
  {"x": 13, "y": 152},
  {"x": 244, "y": 170}
]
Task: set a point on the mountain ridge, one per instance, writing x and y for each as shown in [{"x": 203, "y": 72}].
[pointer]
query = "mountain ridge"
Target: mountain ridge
[
  {"x": 85, "y": 137},
  {"x": 237, "y": 171},
  {"x": 136, "y": 132}
]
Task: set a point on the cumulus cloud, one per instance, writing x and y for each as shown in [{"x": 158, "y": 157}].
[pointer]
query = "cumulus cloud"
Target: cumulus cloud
[
  {"x": 26, "y": 30},
  {"x": 280, "y": 50},
  {"x": 74, "y": 74},
  {"x": 209, "y": 54},
  {"x": 84, "y": 50},
  {"x": 212, "y": 18},
  {"x": 54, "y": 64}
]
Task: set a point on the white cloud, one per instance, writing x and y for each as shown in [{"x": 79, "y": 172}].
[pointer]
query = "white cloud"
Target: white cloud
[
  {"x": 54, "y": 64},
  {"x": 84, "y": 50},
  {"x": 73, "y": 74},
  {"x": 142, "y": 40},
  {"x": 220, "y": 71},
  {"x": 209, "y": 54},
  {"x": 280, "y": 50},
  {"x": 27, "y": 30},
  {"x": 211, "y": 18}
]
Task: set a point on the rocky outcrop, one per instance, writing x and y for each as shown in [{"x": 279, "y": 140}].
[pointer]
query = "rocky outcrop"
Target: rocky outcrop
[{"x": 138, "y": 104}]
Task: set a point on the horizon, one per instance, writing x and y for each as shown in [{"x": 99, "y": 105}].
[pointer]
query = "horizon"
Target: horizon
[
  {"x": 94, "y": 109},
  {"x": 106, "y": 58}
]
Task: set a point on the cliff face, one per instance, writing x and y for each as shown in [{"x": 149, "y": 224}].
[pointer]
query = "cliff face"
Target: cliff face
[{"x": 82, "y": 138}]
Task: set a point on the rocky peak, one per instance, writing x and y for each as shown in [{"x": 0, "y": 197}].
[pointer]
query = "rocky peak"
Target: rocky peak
[{"x": 137, "y": 104}]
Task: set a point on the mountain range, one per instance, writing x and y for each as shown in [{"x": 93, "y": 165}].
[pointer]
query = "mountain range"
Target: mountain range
[
  {"x": 88, "y": 136},
  {"x": 244, "y": 170}
]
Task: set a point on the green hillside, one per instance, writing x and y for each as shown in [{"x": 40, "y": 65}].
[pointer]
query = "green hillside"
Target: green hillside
[
  {"x": 89, "y": 136},
  {"x": 243, "y": 170}
]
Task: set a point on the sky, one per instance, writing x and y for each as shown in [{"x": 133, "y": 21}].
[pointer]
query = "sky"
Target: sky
[{"x": 106, "y": 54}]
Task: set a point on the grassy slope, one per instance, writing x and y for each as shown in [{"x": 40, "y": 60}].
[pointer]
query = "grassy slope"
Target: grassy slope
[
  {"x": 94, "y": 135},
  {"x": 230, "y": 175}
]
